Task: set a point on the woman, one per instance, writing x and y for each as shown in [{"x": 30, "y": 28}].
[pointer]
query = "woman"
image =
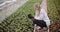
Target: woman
[
  {"x": 41, "y": 19},
  {"x": 41, "y": 14}
]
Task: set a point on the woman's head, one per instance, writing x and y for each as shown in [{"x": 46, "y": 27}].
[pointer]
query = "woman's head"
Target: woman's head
[{"x": 37, "y": 6}]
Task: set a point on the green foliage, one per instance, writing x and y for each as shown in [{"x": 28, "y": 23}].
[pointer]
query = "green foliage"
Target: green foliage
[
  {"x": 18, "y": 21},
  {"x": 53, "y": 10}
]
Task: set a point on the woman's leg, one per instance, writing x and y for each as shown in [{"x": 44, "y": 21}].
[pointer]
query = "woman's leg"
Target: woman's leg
[
  {"x": 37, "y": 28},
  {"x": 34, "y": 27},
  {"x": 48, "y": 29}
]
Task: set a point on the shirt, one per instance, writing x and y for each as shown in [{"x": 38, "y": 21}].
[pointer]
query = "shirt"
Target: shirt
[{"x": 43, "y": 16}]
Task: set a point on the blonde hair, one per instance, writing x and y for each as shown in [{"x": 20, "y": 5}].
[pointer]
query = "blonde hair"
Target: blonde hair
[{"x": 37, "y": 4}]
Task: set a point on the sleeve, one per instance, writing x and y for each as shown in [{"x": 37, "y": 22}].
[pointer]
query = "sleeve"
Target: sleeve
[{"x": 36, "y": 14}]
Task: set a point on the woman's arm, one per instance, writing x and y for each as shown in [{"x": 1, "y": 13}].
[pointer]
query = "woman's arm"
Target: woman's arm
[{"x": 37, "y": 9}]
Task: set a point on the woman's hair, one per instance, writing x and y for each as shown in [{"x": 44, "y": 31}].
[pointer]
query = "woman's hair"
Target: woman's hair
[{"x": 37, "y": 4}]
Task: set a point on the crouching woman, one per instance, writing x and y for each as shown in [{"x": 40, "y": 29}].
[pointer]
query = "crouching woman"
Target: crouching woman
[{"x": 41, "y": 20}]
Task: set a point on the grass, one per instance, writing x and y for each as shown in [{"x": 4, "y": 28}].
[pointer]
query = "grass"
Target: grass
[
  {"x": 53, "y": 8},
  {"x": 18, "y": 21}
]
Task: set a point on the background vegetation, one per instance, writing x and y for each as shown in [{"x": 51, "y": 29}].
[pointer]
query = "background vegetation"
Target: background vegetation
[
  {"x": 54, "y": 14},
  {"x": 19, "y": 22}
]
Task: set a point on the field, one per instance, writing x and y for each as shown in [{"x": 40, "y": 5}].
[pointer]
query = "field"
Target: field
[
  {"x": 19, "y": 22},
  {"x": 54, "y": 14}
]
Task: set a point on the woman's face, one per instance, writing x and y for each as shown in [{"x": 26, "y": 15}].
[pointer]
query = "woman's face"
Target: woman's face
[{"x": 37, "y": 6}]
